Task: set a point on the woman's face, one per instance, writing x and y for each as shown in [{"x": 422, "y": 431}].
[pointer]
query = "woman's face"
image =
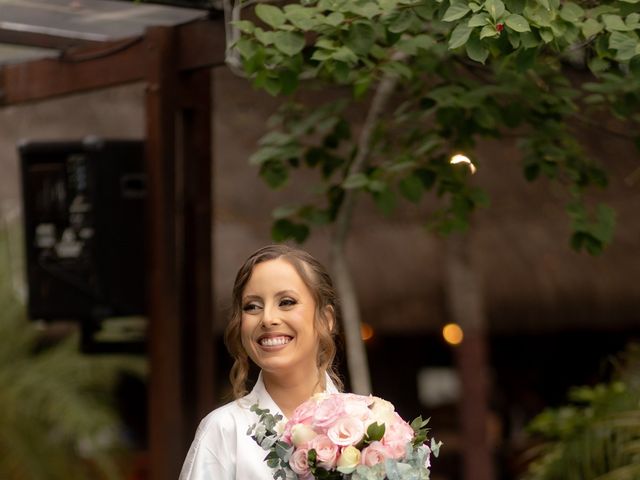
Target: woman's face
[{"x": 278, "y": 313}]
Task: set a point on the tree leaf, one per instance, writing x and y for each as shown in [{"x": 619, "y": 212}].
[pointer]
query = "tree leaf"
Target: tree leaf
[
  {"x": 356, "y": 180},
  {"x": 459, "y": 36},
  {"x": 411, "y": 188},
  {"x": 591, "y": 27},
  {"x": 334, "y": 19},
  {"x": 614, "y": 23},
  {"x": 571, "y": 12},
  {"x": 479, "y": 20},
  {"x": 385, "y": 201},
  {"x": 289, "y": 43},
  {"x": 402, "y": 21},
  {"x": 270, "y": 14},
  {"x": 488, "y": 31},
  {"x": 495, "y": 8},
  {"x": 476, "y": 50},
  {"x": 361, "y": 38},
  {"x": 456, "y": 12},
  {"x": 517, "y": 23}
]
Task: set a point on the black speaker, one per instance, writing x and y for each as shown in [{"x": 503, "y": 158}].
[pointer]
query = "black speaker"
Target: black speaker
[{"x": 84, "y": 218}]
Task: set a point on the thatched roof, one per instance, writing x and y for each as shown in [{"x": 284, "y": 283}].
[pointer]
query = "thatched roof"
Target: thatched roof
[{"x": 531, "y": 279}]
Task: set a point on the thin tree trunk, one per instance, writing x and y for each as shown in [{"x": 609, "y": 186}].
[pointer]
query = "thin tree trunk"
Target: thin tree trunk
[
  {"x": 356, "y": 353},
  {"x": 464, "y": 296}
]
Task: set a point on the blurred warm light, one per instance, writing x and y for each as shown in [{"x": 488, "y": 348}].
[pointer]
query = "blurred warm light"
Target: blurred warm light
[
  {"x": 366, "y": 331},
  {"x": 459, "y": 158},
  {"x": 452, "y": 333}
]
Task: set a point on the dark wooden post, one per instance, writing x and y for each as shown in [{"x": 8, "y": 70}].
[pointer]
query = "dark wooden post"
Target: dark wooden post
[
  {"x": 464, "y": 297},
  {"x": 197, "y": 228},
  {"x": 178, "y": 166}
]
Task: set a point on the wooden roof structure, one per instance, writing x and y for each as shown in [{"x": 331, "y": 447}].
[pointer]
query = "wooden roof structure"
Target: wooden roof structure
[{"x": 60, "y": 47}]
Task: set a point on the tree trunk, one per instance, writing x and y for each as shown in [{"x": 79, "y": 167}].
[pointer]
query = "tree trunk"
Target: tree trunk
[
  {"x": 355, "y": 349},
  {"x": 464, "y": 297}
]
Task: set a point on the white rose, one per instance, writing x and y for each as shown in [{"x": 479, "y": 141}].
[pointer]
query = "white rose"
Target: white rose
[
  {"x": 302, "y": 433},
  {"x": 349, "y": 459}
]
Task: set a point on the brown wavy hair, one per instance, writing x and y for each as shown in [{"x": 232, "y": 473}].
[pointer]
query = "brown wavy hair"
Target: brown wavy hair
[{"x": 319, "y": 283}]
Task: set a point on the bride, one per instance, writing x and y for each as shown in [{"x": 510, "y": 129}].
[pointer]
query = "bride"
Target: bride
[{"x": 284, "y": 321}]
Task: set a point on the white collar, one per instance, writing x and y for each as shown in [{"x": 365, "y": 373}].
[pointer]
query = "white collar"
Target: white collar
[{"x": 260, "y": 395}]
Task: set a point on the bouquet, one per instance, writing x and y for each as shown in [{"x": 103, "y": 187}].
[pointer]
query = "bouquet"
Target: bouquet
[{"x": 343, "y": 436}]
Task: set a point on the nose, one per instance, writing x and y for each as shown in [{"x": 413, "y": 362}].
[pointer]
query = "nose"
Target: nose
[{"x": 270, "y": 317}]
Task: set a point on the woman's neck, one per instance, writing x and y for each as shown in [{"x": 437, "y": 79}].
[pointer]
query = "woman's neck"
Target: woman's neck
[{"x": 289, "y": 392}]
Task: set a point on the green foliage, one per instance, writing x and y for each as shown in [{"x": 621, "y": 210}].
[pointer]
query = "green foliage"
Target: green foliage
[
  {"x": 58, "y": 420},
  {"x": 465, "y": 70},
  {"x": 597, "y": 435}
]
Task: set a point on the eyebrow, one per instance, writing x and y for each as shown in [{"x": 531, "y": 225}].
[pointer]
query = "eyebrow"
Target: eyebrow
[{"x": 281, "y": 293}]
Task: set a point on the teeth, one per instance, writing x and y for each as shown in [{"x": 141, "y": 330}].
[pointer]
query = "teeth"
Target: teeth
[{"x": 273, "y": 341}]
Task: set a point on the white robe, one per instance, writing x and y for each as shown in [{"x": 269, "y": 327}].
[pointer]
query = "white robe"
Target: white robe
[{"x": 222, "y": 450}]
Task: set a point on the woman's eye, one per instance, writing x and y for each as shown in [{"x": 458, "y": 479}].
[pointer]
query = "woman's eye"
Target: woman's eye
[
  {"x": 287, "y": 302},
  {"x": 250, "y": 307}
]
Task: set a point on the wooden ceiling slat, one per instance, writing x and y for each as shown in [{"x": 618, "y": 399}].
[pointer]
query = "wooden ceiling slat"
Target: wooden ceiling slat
[{"x": 107, "y": 65}]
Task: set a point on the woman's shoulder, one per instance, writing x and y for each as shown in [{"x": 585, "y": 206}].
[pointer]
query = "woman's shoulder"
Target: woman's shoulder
[{"x": 227, "y": 418}]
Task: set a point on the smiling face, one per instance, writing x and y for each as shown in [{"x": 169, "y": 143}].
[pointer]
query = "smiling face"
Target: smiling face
[{"x": 278, "y": 316}]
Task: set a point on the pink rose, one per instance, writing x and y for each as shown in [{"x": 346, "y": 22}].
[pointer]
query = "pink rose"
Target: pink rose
[
  {"x": 375, "y": 453},
  {"x": 396, "y": 436},
  {"x": 357, "y": 406},
  {"x": 326, "y": 451},
  {"x": 299, "y": 462},
  {"x": 346, "y": 431},
  {"x": 328, "y": 412},
  {"x": 304, "y": 413}
]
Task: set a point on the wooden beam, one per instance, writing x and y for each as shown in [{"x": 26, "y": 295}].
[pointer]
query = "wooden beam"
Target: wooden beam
[
  {"x": 199, "y": 44},
  {"x": 466, "y": 307},
  {"x": 166, "y": 422},
  {"x": 20, "y": 36},
  {"x": 91, "y": 68},
  {"x": 198, "y": 366}
]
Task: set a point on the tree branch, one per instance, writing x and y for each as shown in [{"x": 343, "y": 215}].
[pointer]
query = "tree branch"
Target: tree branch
[{"x": 356, "y": 353}]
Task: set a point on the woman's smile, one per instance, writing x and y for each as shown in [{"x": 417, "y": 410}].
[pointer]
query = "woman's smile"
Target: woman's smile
[
  {"x": 278, "y": 320},
  {"x": 274, "y": 340}
]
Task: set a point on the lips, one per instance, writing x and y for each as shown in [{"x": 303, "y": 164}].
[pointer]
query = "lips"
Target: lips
[{"x": 277, "y": 340}]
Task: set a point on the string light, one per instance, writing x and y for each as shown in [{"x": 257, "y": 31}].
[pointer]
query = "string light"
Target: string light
[
  {"x": 366, "y": 331},
  {"x": 452, "y": 334},
  {"x": 460, "y": 158}
]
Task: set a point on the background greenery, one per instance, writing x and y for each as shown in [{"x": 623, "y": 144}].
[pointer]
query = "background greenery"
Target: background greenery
[
  {"x": 58, "y": 419},
  {"x": 597, "y": 435}
]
